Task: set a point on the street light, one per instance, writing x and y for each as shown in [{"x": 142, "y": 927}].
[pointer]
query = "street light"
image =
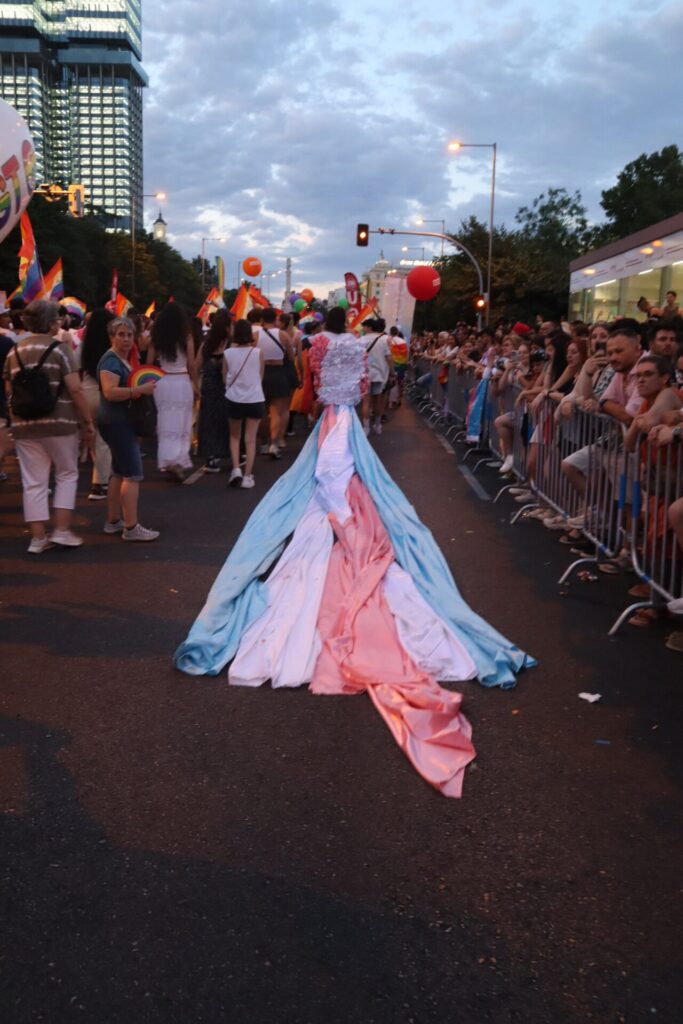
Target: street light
[
  {"x": 415, "y": 248},
  {"x": 455, "y": 147},
  {"x": 208, "y": 238},
  {"x": 269, "y": 275},
  {"x": 421, "y": 220},
  {"x": 145, "y": 195}
]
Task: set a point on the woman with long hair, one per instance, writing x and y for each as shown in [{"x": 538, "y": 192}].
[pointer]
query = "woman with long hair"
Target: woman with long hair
[
  {"x": 172, "y": 346},
  {"x": 213, "y": 429},
  {"x": 88, "y": 354}
]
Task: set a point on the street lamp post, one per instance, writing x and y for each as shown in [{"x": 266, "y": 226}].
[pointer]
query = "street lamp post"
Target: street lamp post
[
  {"x": 208, "y": 238},
  {"x": 442, "y": 222},
  {"x": 416, "y": 248},
  {"x": 454, "y": 147},
  {"x": 145, "y": 195}
]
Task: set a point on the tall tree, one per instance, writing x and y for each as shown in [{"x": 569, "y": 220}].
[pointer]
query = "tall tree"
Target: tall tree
[{"x": 649, "y": 189}]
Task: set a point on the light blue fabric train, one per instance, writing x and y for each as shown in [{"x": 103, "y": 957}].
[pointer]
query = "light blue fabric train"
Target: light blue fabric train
[{"x": 237, "y": 596}]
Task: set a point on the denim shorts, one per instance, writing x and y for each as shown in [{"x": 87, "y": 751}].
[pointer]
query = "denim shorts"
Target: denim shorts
[{"x": 126, "y": 460}]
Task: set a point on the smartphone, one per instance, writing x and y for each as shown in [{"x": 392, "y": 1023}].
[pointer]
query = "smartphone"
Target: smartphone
[{"x": 600, "y": 348}]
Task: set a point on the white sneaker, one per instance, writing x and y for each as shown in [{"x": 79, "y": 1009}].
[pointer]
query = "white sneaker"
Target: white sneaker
[
  {"x": 139, "y": 532},
  {"x": 235, "y": 478},
  {"x": 274, "y": 451},
  {"x": 377, "y": 427},
  {"x": 116, "y": 527},
  {"x": 66, "y": 539},
  {"x": 366, "y": 428},
  {"x": 247, "y": 481},
  {"x": 507, "y": 465},
  {"x": 38, "y": 545}
]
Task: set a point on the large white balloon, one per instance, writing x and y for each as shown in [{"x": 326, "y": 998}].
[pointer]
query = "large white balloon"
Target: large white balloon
[{"x": 17, "y": 167}]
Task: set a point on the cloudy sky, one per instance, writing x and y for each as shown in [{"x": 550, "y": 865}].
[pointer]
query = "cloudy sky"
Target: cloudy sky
[{"x": 279, "y": 126}]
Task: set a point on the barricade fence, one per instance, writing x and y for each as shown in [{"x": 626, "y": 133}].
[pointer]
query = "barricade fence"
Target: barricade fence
[{"x": 576, "y": 465}]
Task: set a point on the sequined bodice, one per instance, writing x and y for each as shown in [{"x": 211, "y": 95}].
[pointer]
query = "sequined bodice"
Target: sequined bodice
[{"x": 343, "y": 366}]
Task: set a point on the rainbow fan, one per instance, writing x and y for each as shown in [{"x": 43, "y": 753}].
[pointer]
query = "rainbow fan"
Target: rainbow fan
[{"x": 144, "y": 374}]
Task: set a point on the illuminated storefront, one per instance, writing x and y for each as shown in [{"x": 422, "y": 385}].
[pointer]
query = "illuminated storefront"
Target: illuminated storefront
[
  {"x": 72, "y": 69},
  {"x": 610, "y": 281}
]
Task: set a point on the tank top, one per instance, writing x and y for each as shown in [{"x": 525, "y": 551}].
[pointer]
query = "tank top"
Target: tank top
[
  {"x": 243, "y": 383},
  {"x": 270, "y": 349}
]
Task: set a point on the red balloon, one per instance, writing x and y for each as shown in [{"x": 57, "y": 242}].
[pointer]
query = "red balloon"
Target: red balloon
[
  {"x": 307, "y": 295},
  {"x": 252, "y": 266},
  {"x": 423, "y": 283}
]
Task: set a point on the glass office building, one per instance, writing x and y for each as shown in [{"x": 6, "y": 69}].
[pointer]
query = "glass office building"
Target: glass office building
[
  {"x": 647, "y": 264},
  {"x": 73, "y": 70}
]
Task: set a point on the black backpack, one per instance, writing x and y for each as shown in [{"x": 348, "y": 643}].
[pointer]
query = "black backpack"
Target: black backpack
[{"x": 32, "y": 395}]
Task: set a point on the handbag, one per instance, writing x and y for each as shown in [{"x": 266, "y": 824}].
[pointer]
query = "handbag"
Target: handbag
[
  {"x": 142, "y": 416},
  {"x": 290, "y": 369}
]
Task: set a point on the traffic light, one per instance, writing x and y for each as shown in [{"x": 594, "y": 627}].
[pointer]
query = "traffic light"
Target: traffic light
[
  {"x": 362, "y": 234},
  {"x": 480, "y": 303},
  {"x": 76, "y": 200}
]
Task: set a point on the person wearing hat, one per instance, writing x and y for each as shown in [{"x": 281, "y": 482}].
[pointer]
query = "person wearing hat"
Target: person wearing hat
[{"x": 380, "y": 370}]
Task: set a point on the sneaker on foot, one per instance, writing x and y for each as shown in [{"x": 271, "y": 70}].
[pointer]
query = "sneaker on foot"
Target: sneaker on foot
[
  {"x": 139, "y": 532},
  {"x": 507, "y": 465},
  {"x": 66, "y": 538},
  {"x": 274, "y": 451},
  {"x": 247, "y": 481},
  {"x": 3, "y": 477},
  {"x": 290, "y": 433},
  {"x": 377, "y": 427},
  {"x": 264, "y": 449},
  {"x": 366, "y": 428},
  {"x": 98, "y": 492},
  {"x": 38, "y": 545},
  {"x": 116, "y": 527},
  {"x": 235, "y": 479},
  {"x": 212, "y": 466}
]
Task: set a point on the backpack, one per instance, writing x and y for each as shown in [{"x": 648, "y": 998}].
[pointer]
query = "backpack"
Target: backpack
[{"x": 32, "y": 396}]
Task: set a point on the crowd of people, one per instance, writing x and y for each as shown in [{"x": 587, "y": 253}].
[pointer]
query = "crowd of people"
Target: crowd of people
[
  {"x": 534, "y": 380},
  {"x": 220, "y": 390}
]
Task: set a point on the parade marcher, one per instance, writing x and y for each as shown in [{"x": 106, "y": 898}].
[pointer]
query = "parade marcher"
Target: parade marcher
[
  {"x": 243, "y": 373},
  {"x": 213, "y": 429},
  {"x": 114, "y": 424},
  {"x": 380, "y": 368},
  {"x": 278, "y": 378},
  {"x": 45, "y": 414},
  {"x": 95, "y": 343},
  {"x": 173, "y": 347},
  {"x": 336, "y": 611}
]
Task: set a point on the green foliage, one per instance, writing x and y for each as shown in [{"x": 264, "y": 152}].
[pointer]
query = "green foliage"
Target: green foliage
[
  {"x": 90, "y": 254},
  {"x": 649, "y": 189}
]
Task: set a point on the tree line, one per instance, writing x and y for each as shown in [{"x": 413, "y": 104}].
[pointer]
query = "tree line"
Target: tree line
[{"x": 530, "y": 271}]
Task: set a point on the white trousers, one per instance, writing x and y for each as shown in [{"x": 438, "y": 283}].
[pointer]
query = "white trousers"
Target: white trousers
[{"x": 36, "y": 455}]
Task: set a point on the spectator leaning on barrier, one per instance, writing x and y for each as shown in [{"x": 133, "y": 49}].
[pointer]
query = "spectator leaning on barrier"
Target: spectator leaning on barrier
[{"x": 671, "y": 433}]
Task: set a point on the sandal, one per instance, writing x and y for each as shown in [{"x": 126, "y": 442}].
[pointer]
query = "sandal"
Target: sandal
[
  {"x": 639, "y": 590},
  {"x": 574, "y": 537}
]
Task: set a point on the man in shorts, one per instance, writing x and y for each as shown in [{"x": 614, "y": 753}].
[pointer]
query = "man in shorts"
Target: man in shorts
[{"x": 380, "y": 368}]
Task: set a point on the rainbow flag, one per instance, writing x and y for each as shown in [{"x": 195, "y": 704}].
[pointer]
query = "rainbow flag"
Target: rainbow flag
[
  {"x": 365, "y": 312},
  {"x": 30, "y": 274},
  {"x": 74, "y": 306},
  {"x": 151, "y": 308},
  {"x": 212, "y": 302},
  {"x": 248, "y": 296},
  {"x": 122, "y": 305},
  {"x": 53, "y": 282}
]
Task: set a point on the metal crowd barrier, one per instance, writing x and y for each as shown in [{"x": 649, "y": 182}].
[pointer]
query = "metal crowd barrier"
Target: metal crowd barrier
[{"x": 655, "y": 550}]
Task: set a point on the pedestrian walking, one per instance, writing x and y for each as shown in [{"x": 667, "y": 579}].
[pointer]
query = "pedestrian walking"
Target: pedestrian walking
[
  {"x": 243, "y": 369},
  {"x": 172, "y": 346},
  {"x": 213, "y": 429}
]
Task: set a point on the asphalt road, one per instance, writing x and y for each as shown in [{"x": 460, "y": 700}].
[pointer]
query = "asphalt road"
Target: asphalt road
[{"x": 173, "y": 850}]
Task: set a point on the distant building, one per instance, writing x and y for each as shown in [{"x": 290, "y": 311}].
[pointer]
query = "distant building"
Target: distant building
[
  {"x": 159, "y": 228},
  {"x": 609, "y": 281},
  {"x": 73, "y": 71}
]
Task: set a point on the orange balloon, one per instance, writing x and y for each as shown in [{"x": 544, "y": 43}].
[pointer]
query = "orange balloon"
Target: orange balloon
[
  {"x": 307, "y": 295},
  {"x": 252, "y": 266}
]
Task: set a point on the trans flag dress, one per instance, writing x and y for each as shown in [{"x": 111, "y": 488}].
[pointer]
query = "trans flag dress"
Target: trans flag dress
[{"x": 357, "y": 597}]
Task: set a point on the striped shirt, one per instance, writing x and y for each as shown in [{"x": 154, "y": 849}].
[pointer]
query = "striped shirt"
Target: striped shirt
[{"x": 63, "y": 419}]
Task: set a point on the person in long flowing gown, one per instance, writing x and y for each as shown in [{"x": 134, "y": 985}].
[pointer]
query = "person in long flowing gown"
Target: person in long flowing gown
[
  {"x": 173, "y": 347},
  {"x": 358, "y": 596}
]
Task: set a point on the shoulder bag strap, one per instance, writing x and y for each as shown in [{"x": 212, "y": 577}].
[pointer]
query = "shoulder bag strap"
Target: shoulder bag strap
[
  {"x": 234, "y": 379},
  {"x": 279, "y": 344}
]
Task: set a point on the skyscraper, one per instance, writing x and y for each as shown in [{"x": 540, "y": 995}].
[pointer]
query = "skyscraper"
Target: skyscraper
[{"x": 72, "y": 69}]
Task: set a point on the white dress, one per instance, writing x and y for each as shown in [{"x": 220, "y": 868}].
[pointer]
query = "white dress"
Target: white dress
[{"x": 174, "y": 399}]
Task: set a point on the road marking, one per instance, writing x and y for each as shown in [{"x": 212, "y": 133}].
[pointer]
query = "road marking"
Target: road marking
[
  {"x": 474, "y": 483},
  {"x": 194, "y": 477}
]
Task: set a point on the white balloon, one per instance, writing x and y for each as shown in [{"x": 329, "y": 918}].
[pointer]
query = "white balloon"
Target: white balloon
[{"x": 17, "y": 167}]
